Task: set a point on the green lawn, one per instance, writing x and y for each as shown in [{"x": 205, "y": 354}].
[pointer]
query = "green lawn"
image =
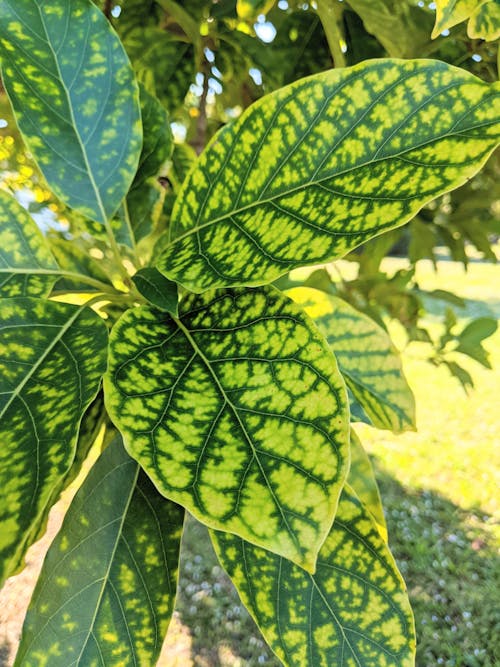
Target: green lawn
[{"x": 440, "y": 491}]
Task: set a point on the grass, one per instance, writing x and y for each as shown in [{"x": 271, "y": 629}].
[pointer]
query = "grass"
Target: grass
[{"x": 440, "y": 492}]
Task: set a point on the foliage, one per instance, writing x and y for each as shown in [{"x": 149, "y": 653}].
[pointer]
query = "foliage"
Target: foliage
[{"x": 226, "y": 395}]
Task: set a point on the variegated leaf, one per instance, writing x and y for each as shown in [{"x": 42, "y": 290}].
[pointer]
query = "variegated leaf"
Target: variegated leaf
[
  {"x": 316, "y": 168},
  {"x": 237, "y": 411},
  {"x": 352, "y": 612},
  {"x": 64, "y": 67}
]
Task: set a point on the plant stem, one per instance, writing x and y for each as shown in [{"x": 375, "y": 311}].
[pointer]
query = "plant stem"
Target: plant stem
[
  {"x": 108, "y": 6},
  {"x": 329, "y": 14}
]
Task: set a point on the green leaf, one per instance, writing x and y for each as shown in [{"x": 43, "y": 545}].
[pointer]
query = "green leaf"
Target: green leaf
[
  {"x": 107, "y": 587},
  {"x": 353, "y": 611},
  {"x": 52, "y": 357},
  {"x": 75, "y": 259},
  {"x": 477, "y": 330},
  {"x": 249, "y": 10},
  {"x": 25, "y": 259},
  {"x": 64, "y": 67},
  {"x": 158, "y": 140},
  {"x": 483, "y": 15},
  {"x": 311, "y": 171},
  {"x": 368, "y": 360},
  {"x": 183, "y": 160},
  {"x": 362, "y": 480},
  {"x": 159, "y": 291},
  {"x": 236, "y": 411},
  {"x": 401, "y": 28}
]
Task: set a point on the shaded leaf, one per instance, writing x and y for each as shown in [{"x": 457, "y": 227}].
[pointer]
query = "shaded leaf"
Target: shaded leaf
[
  {"x": 368, "y": 360},
  {"x": 313, "y": 170},
  {"x": 144, "y": 206},
  {"x": 107, "y": 587},
  {"x": 159, "y": 291},
  {"x": 361, "y": 479},
  {"x": 353, "y": 611},
  {"x": 75, "y": 259},
  {"x": 52, "y": 357},
  {"x": 25, "y": 259},
  {"x": 236, "y": 411},
  {"x": 402, "y": 28},
  {"x": 64, "y": 67},
  {"x": 158, "y": 141}
]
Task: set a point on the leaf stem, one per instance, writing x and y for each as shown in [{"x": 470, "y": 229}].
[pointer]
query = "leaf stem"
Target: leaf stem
[{"x": 330, "y": 14}]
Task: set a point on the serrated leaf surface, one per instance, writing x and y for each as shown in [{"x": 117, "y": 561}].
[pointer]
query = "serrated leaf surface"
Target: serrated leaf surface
[
  {"x": 107, "y": 587},
  {"x": 52, "y": 357},
  {"x": 238, "y": 412},
  {"x": 64, "y": 67},
  {"x": 316, "y": 168},
  {"x": 352, "y": 612}
]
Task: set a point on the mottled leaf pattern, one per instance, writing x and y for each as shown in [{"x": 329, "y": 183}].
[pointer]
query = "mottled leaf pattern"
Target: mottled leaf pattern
[
  {"x": 25, "y": 259},
  {"x": 236, "y": 411},
  {"x": 368, "y": 360},
  {"x": 75, "y": 259},
  {"x": 483, "y": 15},
  {"x": 353, "y": 612},
  {"x": 316, "y": 168},
  {"x": 362, "y": 480},
  {"x": 64, "y": 67},
  {"x": 52, "y": 357},
  {"x": 158, "y": 141},
  {"x": 107, "y": 588}
]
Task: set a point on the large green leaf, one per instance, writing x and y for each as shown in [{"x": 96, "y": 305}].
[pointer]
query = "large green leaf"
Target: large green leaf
[
  {"x": 75, "y": 99},
  {"x": 368, "y": 360},
  {"x": 353, "y": 612},
  {"x": 316, "y": 168},
  {"x": 483, "y": 15},
  {"x": 107, "y": 587},
  {"x": 52, "y": 357},
  {"x": 25, "y": 259},
  {"x": 362, "y": 480},
  {"x": 236, "y": 411},
  {"x": 400, "y": 26}
]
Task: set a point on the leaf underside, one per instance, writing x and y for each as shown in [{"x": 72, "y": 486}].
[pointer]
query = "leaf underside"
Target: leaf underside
[
  {"x": 52, "y": 357},
  {"x": 367, "y": 359},
  {"x": 316, "y": 168},
  {"x": 107, "y": 587},
  {"x": 353, "y": 611},
  {"x": 64, "y": 67},
  {"x": 236, "y": 411}
]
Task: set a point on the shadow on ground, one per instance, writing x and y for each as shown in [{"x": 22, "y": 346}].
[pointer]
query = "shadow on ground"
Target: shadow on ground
[{"x": 446, "y": 555}]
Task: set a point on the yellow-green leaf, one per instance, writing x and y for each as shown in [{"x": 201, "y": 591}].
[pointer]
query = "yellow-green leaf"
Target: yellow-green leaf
[
  {"x": 352, "y": 612},
  {"x": 25, "y": 259},
  {"x": 316, "y": 168},
  {"x": 368, "y": 360},
  {"x": 52, "y": 357},
  {"x": 362, "y": 480},
  {"x": 64, "y": 67},
  {"x": 236, "y": 411},
  {"x": 483, "y": 15},
  {"x": 249, "y": 10},
  {"x": 107, "y": 587}
]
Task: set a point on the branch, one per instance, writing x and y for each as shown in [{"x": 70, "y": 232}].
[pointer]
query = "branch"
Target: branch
[
  {"x": 201, "y": 122},
  {"x": 329, "y": 16},
  {"x": 108, "y": 6}
]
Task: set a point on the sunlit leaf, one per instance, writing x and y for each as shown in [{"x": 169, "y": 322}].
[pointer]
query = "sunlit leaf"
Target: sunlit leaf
[
  {"x": 64, "y": 67},
  {"x": 314, "y": 169},
  {"x": 483, "y": 15},
  {"x": 251, "y": 9},
  {"x": 25, "y": 259},
  {"x": 353, "y": 611},
  {"x": 362, "y": 480},
  {"x": 52, "y": 357},
  {"x": 107, "y": 588},
  {"x": 368, "y": 360},
  {"x": 236, "y": 411},
  {"x": 75, "y": 258},
  {"x": 159, "y": 291}
]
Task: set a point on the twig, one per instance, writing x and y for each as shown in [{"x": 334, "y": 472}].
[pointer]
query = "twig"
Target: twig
[
  {"x": 108, "y": 6},
  {"x": 201, "y": 121}
]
